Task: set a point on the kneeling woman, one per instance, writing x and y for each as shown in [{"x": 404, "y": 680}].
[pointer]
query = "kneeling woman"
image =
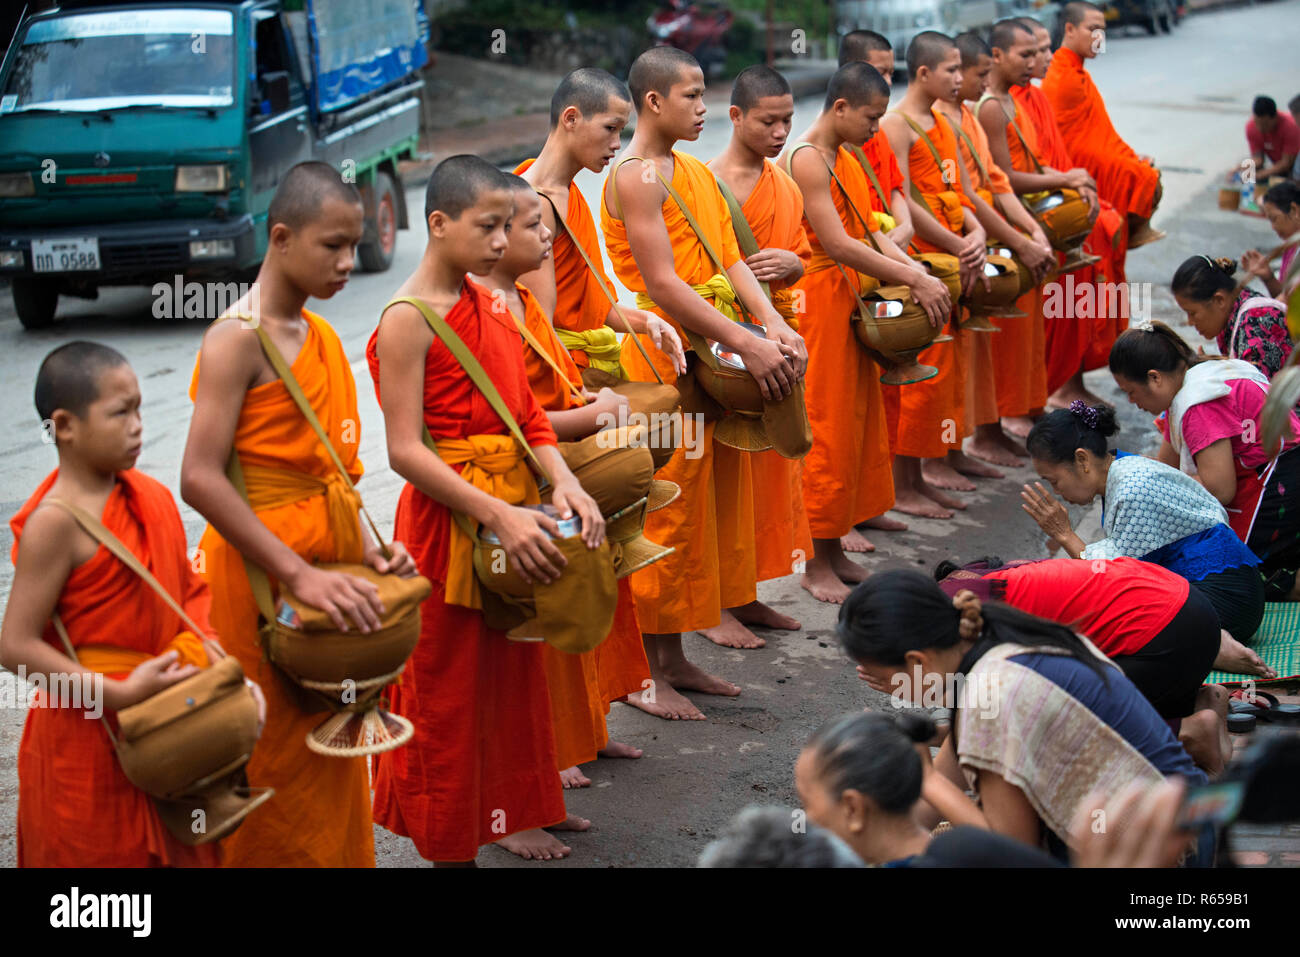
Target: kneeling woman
[
  {"x": 1152, "y": 512},
  {"x": 1244, "y": 324},
  {"x": 1042, "y": 718},
  {"x": 1210, "y": 413}
]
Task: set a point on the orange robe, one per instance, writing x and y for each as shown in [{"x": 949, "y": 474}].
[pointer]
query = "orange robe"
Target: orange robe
[
  {"x": 320, "y": 815},
  {"x": 711, "y": 524},
  {"x": 885, "y": 165},
  {"x": 848, "y": 476},
  {"x": 1074, "y": 340},
  {"x": 482, "y": 763},
  {"x": 75, "y": 806},
  {"x": 582, "y": 686},
  {"x": 931, "y": 414},
  {"x": 580, "y": 303},
  {"x": 1123, "y": 179},
  {"x": 987, "y": 350},
  {"x": 774, "y": 211}
]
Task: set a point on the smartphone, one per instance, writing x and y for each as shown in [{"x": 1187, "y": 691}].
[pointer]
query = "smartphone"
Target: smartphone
[{"x": 1217, "y": 804}]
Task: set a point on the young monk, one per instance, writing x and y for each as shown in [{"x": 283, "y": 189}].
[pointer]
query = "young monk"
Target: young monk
[
  {"x": 76, "y": 807},
  {"x": 931, "y": 413},
  {"x": 577, "y": 682},
  {"x": 298, "y": 511},
  {"x": 761, "y": 112},
  {"x": 1129, "y": 181},
  {"x": 482, "y": 765},
  {"x": 1016, "y": 361},
  {"x": 657, "y": 254},
  {"x": 588, "y": 112},
  {"x": 888, "y": 196},
  {"x": 847, "y": 474}
]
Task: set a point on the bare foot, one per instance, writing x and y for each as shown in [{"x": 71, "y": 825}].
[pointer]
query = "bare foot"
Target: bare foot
[
  {"x": 1018, "y": 426},
  {"x": 847, "y": 570},
  {"x": 1011, "y": 444},
  {"x": 534, "y": 845},
  {"x": 617, "y": 749},
  {"x": 940, "y": 474},
  {"x": 758, "y": 615},
  {"x": 1144, "y": 234},
  {"x": 1216, "y": 699},
  {"x": 820, "y": 580},
  {"x": 571, "y": 823},
  {"x": 691, "y": 677},
  {"x": 662, "y": 701},
  {"x": 1199, "y": 734},
  {"x": 886, "y": 524},
  {"x": 990, "y": 450},
  {"x": 911, "y": 502},
  {"x": 947, "y": 501},
  {"x": 574, "y": 778},
  {"x": 730, "y": 633},
  {"x": 855, "y": 541},
  {"x": 966, "y": 465},
  {"x": 1240, "y": 660}
]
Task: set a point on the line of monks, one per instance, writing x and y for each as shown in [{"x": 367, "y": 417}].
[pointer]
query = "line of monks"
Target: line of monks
[{"x": 514, "y": 266}]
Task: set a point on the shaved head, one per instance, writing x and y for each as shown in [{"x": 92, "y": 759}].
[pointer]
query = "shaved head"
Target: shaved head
[
  {"x": 458, "y": 181},
  {"x": 928, "y": 49},
  {"x": 756, "y": 82},
  {"x": 657, "y": 70},
  {"x": 856, "y": 45},
  {"x": 1075, "y": 11},
  {"x": 972, "y": 47},
  {"x": 303, "y": 191},
  {"x": 68, "y": 379},
  {"x": 517, "y": 184},
  {"x": 1007, "y": 33},
  {"x": 857, "y": 84},
  {"x": 589, "y": 91}
]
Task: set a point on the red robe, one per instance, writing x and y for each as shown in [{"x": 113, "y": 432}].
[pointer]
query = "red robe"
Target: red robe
[
  {"x": 482, "y": 763},
  {"x": 76, "y": 807}
]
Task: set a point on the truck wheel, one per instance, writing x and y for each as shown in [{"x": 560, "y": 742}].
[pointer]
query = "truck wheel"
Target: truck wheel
[
  {"x": 377, "y": 256},
  {"x": 35, "y": 301}
]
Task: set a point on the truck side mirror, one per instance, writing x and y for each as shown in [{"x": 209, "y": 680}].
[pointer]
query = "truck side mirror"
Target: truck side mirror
[{"x": 277, "y": 91}]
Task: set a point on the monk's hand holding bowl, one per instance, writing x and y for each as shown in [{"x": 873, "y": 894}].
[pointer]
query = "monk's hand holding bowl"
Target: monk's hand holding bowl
[
  {"x": 398, "y": 562},
  {"x": 931, "y": 294},
  {"x": 525, "y": 534},
  {"x": 339, "y": 594},
  {"x": 773, "y": 265},
  {"x": 767, "y": 363},
  {"x": 608, "y": 402},
  {"x": 666, "y": 340},
  {"x": 148, "y": 678},
  {"x": 570, "y": 498},
  {"x": 792, "y": 345}
]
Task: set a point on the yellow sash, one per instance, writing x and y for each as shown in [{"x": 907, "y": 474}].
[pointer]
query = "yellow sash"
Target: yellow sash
[
  {"x": 273, "y": 488},
  {"x": 111, "y": 660},
  {"x": 601, "y": 346},
  {"x": 717, "y": 289},
  {"x": 494, "y": 464}
]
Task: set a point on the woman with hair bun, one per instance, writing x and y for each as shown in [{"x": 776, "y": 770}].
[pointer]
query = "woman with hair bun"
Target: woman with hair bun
[
  {"x": 1040, "y": 721},
  {"x": 1244, "y": 324},
  {"x": 1209, "y": 414},
  {"x": 1151, "y": 512}
]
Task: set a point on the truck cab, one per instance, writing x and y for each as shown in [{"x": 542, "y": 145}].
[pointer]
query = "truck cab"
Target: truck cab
[{"x": 142, "y": 144}]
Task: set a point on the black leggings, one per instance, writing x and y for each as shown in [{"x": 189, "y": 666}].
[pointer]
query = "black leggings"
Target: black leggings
[
  {"x": 1275, "y": 536},
  {"x": 1238, "y": 596},
  {"x": 1170, "y": 669}
]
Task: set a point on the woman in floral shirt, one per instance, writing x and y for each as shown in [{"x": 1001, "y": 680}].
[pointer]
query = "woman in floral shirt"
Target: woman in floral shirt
[{"x": 1245, "y": 324}]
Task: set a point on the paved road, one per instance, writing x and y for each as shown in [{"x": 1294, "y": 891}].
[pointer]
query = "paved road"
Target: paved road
[{"x": 1183, "y": 99}]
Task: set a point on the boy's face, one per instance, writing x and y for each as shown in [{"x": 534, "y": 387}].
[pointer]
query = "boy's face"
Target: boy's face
[
  {"x": 475, "y": 241},
  {"x": 1015, "y": 64},
  {"x": 1043, "y": 57},
  {"x": 529, "y": 238},
  {"x": 943, "y": 81},
  {"x": 595, "y": 139},
  {"x": 681, "y": 109},
  {"x": 856, "y": 125},
  {"x": 883, "y": 61},
  {"x": 975, "y": 78},
  {"x": 319, "y": 256},
  {"x": 766, "y": 127},
  {"x": 108, "y": 437},
  {"x": 1085, "y": 38}
]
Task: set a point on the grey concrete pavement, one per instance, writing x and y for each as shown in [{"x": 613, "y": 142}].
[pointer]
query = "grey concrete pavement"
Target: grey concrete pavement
[{"x": 1183, "y": 99}]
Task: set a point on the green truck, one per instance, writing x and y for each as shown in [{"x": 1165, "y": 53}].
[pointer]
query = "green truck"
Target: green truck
[{"x": 142, "y": 143}]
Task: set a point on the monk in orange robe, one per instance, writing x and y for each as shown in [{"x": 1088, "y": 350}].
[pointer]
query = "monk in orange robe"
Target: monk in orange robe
[
  {"x": 847, "y": 475},
  {"x": 931, "y": 413},
  {"x": 658, "y": 255},
  {"x": 589, "y": 109},
  {"x": 1129, "y": 181},
  {"x": 299, "y": 511},
  {"x": 578, "y": 700},
  {"x": 482, "y": 765},
  {"x": 76, "y": 807},
  {"x": 761, "y": 111}
]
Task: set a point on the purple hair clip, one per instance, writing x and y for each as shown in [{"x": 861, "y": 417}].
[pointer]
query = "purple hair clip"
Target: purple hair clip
[{"x": 1084, "y": 411}]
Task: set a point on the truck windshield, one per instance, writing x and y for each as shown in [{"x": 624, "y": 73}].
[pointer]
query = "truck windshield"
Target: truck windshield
[{"x": 103, "y": 61}]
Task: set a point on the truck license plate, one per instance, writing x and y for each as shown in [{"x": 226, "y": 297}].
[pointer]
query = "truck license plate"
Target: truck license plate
[{"x": 65, "y": 255}]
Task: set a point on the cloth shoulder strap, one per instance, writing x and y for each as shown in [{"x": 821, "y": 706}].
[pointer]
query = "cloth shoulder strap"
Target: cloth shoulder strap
[
  {"x": 938, "y": 160},
  {"x": 536, "y": 346},
  {"x": 974, "y": 153},
  {"x": 1011, "y": 118},
  {"x": 870, "y": 170},
  {"x": 925, "y": 137},
  {"x": 600, "y": 281},
  {"x": 740, "y": 226},
  {"x": 848, "y": 200}
]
